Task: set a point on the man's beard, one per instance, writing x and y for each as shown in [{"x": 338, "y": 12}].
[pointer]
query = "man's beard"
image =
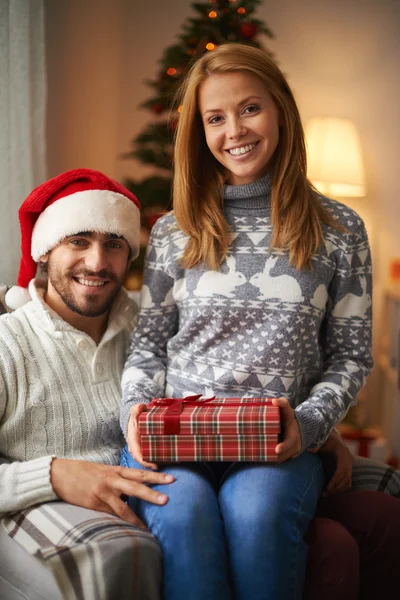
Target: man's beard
[{"x": 92, "y": 306}]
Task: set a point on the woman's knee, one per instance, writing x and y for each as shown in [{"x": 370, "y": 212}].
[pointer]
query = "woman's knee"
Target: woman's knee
[
  {"x": 269, "y": 495},
  {"x": 191, "y": 511}
]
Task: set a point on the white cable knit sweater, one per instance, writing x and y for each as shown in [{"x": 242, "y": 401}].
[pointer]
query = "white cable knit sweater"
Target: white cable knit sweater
[{"x": 59, "y": 396}]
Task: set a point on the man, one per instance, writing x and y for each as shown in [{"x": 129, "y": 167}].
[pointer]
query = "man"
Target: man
[{"x": 61, "y": 357}]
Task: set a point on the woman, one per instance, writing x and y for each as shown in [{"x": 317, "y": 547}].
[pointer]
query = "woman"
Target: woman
[{"x": 255, "y": 286}]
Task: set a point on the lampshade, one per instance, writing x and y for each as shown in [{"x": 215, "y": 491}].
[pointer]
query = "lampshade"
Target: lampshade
[{"x": 334, "y": 157}]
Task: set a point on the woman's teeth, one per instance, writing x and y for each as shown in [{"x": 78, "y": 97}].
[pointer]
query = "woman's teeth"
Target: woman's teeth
[
  {"x": 241, "y": 150},
  {"x": 91, "y": 283}
]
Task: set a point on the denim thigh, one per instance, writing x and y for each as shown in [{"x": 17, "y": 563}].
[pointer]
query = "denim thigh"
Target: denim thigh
[
  {"x": 266, "y": 510},
  {"x": 189, "y": 530}
]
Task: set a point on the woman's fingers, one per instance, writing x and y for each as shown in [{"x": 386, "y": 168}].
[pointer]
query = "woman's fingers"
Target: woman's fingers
[{"x": 133, "y": 436}]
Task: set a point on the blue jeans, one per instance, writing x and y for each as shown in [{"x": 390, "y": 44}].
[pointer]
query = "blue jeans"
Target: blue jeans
[{"x": 237, "y": 534}]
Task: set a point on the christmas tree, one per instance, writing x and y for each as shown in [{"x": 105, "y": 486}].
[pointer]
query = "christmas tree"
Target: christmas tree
[{"x": 216, "y": 22}]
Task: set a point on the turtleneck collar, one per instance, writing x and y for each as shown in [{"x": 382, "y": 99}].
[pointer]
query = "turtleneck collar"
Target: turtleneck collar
[{"x": 254, "y": 195}]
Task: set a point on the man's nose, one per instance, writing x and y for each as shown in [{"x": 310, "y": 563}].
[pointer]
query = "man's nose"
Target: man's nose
[{"x": 96, "y": 257}]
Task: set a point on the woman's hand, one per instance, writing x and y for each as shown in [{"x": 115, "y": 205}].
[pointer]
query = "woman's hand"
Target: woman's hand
[
  {"x": 291, "y": 445},
  {"x": 133, "y": 436},
  {"x": 342, "y": 477}
]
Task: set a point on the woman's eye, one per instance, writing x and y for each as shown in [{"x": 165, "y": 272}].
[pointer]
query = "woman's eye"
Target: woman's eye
[
  {"x": 251, "y": 109},
  {"x": 214, "y": 120}
]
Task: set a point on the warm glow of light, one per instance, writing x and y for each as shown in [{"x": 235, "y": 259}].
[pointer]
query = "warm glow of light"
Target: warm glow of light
[
  {"x": 171, "y": 71},
  {"x": 212, "y": 14},
  {"x": 335, "y": 163},
  {"x": 180, "y": 108},
  {"x": 210, "y": 46},
  {"x": 241, "y": 10}
]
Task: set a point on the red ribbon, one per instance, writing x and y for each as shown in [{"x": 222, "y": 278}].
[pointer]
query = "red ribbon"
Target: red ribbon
[{"x": 172, "y": 425}]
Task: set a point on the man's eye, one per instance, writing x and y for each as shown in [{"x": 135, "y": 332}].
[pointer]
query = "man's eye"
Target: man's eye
[
  {"x": 114, "y": 245},
  {"x": 77, "y": 242}
]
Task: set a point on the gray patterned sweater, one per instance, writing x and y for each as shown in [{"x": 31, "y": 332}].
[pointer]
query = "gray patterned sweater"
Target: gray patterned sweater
[{"x": 258, "y": 327}]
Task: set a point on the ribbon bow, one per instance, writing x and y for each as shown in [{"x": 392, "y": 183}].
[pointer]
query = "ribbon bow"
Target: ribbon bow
[{"x": 172, "y": 425}]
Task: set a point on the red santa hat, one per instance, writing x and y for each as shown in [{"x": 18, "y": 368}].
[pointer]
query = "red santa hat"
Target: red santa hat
[{"x": 75, "y": 201}]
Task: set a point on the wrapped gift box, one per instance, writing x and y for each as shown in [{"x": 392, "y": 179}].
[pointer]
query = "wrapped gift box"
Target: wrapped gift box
[
  {"x": 217, "y": 429},
  {"x": 176, "y": 448}
]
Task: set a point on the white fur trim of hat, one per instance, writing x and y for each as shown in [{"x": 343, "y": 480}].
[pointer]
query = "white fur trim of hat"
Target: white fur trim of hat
[{"x": 102, "y": 211}]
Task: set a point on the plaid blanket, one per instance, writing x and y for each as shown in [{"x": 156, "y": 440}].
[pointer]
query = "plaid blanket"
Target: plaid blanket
[
  {"x": 87, "y": 551},
  {"x": 374, "y": 476}
]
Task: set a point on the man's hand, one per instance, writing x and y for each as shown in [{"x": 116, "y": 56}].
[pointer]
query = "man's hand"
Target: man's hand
[
  {"x": 291, "y": 445},
  {"x": 133, "y": 436},
  {"x": 100, "y": 487},
  {"x": 342, "y": 477}
]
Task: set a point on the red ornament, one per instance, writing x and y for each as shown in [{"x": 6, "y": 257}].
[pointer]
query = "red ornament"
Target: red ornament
[
  {"x": 157, "y": 108},
  {"x": 247, "y": 30},
  {"x": 152, "y": 218}
]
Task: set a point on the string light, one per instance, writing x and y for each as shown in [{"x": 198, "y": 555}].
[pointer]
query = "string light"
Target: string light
[
  {"x": 171, "y": 71},
  {"x": 212, "y": 14},
  {"x": 180, "y": 108},
  {"x": 210, "y": 46},
  {"x": 241, "y": 10}
]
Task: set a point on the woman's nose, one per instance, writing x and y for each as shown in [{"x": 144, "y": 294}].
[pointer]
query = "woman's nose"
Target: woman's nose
[{"x": 236, "y": 129}]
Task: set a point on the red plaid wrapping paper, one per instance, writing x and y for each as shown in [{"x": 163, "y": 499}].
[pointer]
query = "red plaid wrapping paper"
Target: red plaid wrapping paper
[
  {"x": 216, "y": 418},
  {"x": 218, "y": 429},
  {"x": 176, "y": 448}
]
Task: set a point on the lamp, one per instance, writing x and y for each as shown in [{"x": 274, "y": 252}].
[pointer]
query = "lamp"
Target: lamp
[{"x": 334, "y": 157}]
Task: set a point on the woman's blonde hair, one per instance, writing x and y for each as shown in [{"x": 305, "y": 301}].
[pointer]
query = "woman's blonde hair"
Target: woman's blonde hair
[{"x": 296, "y": 213}]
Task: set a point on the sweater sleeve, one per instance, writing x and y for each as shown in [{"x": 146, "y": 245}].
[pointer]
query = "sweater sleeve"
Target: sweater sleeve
[
  {"x": 345, "y": 339},
  {"x": 144, "y": 373},
  {"x": 22, "y": 484}
]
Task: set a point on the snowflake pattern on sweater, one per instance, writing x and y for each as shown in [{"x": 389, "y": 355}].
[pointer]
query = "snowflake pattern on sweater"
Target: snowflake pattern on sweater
[{"x": 258, "y": 327}]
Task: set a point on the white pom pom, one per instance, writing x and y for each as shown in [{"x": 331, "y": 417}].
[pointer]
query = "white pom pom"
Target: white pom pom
[{"x": 16, "y": 297}]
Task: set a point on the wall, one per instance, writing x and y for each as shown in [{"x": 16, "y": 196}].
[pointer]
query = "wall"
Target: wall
[
  {"x": 85, "y": 62},
  {"x": 341, "y": 59}
]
